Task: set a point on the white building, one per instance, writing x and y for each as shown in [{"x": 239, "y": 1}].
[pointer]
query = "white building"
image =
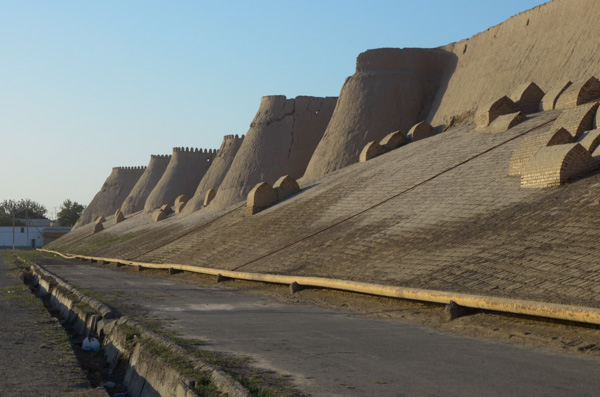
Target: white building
[
  {"x": 30, "y": 233},
  {"x": 23, "y": 237}
]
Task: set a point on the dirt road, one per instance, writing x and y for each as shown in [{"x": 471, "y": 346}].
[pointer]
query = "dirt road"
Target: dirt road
[{"x": 327, "y": 352}]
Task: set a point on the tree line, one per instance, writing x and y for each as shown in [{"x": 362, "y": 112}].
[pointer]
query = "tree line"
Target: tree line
[{"x": 69, "y": 213}]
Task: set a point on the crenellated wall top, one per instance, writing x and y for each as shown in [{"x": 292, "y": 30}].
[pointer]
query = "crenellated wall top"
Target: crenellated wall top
[
  {"x": 193, "y": 150},
  {"x": 231, "y": 136},
  {"x": 138, "y": 168}
]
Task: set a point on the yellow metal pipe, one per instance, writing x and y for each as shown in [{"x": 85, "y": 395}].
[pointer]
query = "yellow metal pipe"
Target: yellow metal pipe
[{"x": 557, "y": 311}]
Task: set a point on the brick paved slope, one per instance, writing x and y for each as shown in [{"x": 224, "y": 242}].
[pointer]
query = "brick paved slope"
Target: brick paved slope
[{"x": 470, "y": 229}]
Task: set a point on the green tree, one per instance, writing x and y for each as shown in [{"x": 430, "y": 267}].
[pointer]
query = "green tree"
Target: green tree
[
  {"x": 69, "y": 213},
  {"x": 8, "y": 207}
]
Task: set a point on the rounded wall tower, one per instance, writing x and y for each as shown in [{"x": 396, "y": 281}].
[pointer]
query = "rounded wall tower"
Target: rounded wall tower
[
  {"x": 184, "y": 172},
  {"x": 137, "y": 197},
  {"x": 116, "y": 188},
  {"x": 280, "y": 141},
  {"x": 215, "y": 174},
  {"x": 392, "y": 90}
]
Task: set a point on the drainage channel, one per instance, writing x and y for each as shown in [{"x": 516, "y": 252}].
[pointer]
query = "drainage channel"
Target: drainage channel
[
  {"x": 120, "y": 355},
  {"x": 90, "y": 356}
]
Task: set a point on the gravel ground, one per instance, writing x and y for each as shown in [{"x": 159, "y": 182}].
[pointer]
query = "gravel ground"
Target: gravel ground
[{"x": 37, "y": 359}]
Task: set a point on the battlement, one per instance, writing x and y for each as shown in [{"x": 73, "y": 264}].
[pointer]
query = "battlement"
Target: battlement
[
  {"x": 231, "y": 136},
  {"x": 160, "y": 156},
  {"x": 193, "y": 150},
  {"x": 141, "y": 167}
]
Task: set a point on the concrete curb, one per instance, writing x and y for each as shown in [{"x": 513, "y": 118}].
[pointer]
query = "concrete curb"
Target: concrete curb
[
  {"x": 556, "y": 311},
  {"x": 147, "y": 371},
  {"x": 101, "y": 308}
]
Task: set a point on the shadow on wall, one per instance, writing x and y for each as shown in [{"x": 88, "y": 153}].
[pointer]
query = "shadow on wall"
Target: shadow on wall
[{"x": 441, "y": 85}]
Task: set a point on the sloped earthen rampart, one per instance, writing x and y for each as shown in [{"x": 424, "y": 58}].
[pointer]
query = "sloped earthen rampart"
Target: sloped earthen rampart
[
  {"x": 138, "y": 195},
  {"x": 281, "y": 140},
  {"x": 184, "y": 172},
  {"x": 216, "y": 173},
  {"x": 115, "y": 189}
]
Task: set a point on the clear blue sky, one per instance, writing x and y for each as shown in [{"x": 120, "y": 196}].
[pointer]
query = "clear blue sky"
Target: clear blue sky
[{"x": 86, "y": 86}]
